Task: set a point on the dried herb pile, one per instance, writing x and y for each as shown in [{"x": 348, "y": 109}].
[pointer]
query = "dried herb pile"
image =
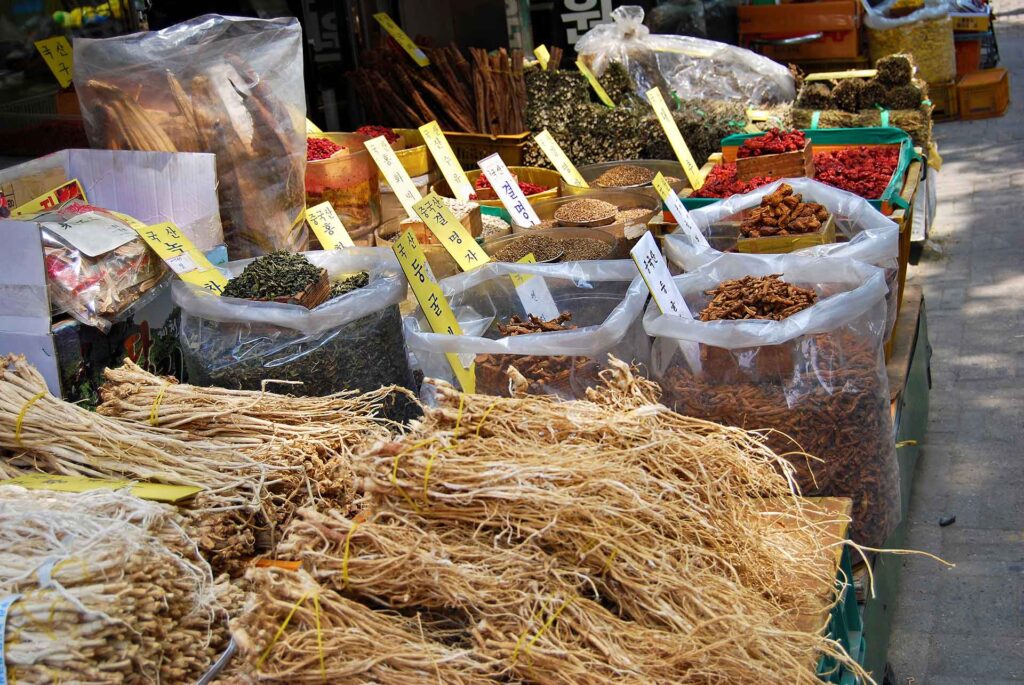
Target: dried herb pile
[
  {"x": 278, "y": 274},
  {"x": 534, "y": 324},
  {"x": 756, "y": 297},
  {"x": 348, "y": 284},
  {"x": 783, "y": 212}
]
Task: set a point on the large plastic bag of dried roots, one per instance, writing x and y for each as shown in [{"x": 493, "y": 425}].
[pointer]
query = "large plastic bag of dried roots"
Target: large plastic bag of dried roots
[
  {"x": 350, "y": 342},
  {"x": 557, "y": 346},
  {"x": 863, "y": 233},
  {"x": 809, "y": 371},
  {"x": 926, "y": 34},
  {"x": 226, "y": 85},
  {"x": 692, "y": 67},
  {"x": 97, "y": 266}
]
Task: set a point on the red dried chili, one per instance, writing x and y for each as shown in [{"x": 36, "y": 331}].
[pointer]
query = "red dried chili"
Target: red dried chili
[
  {"x": 864, "y": 171},
  {"x": 775, "y": 141},
  {"x": 376, "y": 131},
  {"x": 482, "y": 183},
  {"x": 722, "y": 182},
  {"x": 320, "y": 148}
]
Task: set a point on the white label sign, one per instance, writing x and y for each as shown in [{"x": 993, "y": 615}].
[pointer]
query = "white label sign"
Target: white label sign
[
  {"x": 682, "y": 216},
  {"x": 534, "y": 293},
  {"x": 392, "y": 170},
  {"x": 654, "y": 269},
  {"x": 182, "y": 264},
  {"x": 91, "y": 233},
  {"x": 508, "y": 190}
]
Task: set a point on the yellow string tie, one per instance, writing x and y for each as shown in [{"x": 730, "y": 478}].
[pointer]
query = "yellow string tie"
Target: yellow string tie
[
  {"x": 24, "y": 410},
  {"x": 547, "y": 624},
  {"x": 455, "y": 435},
  {"x": 611, "y": 558},
  {"x": 319, "y": 637},
  {"x": 344, "y": 558},
  {"x": 522, "y": 636},
  {"x": 484, "y": 417},
  {"x": 280, "y": 631},
  {"x": 905, "y": 443},
  {"x": 153, "y": 411}
]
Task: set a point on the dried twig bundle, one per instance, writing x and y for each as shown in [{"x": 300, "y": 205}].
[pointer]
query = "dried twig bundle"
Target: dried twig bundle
[
  {"x": 111, "y": 590},
  {"x": 639, "y": 550}
]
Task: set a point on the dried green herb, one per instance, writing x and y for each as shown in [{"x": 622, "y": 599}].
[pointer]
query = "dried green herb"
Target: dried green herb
[
  {"x": 347, "y": 285},
  {"x": 277, "y": 274}
]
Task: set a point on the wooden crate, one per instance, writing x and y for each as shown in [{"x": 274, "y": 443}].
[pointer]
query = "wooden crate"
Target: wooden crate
[
  {"x": 784, "y": 244},
  {"x": 470, "y": 148},
  {"x": 983, "y": 94},
  {"x": 798, "y": 164},
  {"x": 944, "y": 103}
]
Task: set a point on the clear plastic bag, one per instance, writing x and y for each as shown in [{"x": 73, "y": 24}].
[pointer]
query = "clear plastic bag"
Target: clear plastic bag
[
  {"x": 606, "y": 300},
  {"x": 352, "y": 342},
  {"x": 815, "y": 381},
  {"x": 926, "y": 34},
  {"x": 95, "y": 287},
  {"x": 227, "y": 85},
  {"x": 692, "y": 67},
  {"x": 867, "y": 235}
]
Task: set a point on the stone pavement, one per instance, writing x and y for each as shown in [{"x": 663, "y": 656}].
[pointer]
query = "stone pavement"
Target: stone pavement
[{"x": 965, "y": 626}]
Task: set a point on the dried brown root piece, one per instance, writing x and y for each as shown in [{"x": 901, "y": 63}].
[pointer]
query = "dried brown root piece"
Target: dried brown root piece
[
  {"x": 783, "y": 212},
  {"x": 535, "y": 324},
  {"x": 756, "y": 297}
]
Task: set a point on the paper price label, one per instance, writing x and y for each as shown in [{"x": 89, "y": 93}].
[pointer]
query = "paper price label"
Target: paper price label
[
  {"x": 71, "y": 190},
  {"x": 56, "y": 53},
  {"x": 395, "y": 174},
  {"x": 156, "y": 492},
  {"x": 654, "y": 270},
  {"x": 553, "y": 151},
  {"x": 543, "y": 56},
  {"x": 602, "y": 94},
  {"x": 312, "y": 129},
  {"x": 675, "y": 206},
  {"x": 534, "y": 293},
  {"x": 327, "y": 227},
  {"x": 431, "y": 299},
  {"x": 173, "y": 246},
  {"x": 509, "y": 192},
  {"x": 447, "y": 228},
  {"x": 445, "y": 158},
  {"x": 675, "y": 138},
  {"x": 396, "y": 32}
]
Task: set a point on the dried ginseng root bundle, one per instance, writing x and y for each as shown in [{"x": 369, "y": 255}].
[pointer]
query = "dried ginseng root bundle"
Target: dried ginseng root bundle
[
  {"x": 639, "y": 551},
  {"x": 756, "y": 297},
  {"x": 107, "y": 588},
  {"x": 783, "y": 212},
  {"x": 806, "y": 368}
]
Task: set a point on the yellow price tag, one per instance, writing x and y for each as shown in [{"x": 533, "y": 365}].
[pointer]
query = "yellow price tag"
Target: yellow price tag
[
  {"x": 328, "y": 227},
  {"x": 751, "y": 128},
  {"x": 839, "y": 75},
  {"x": 543, "y": 56},
  {"x": 396, "y": 32},
  {"x": 183, "y": 257},
  {"x": 312, "y": 129},
  {"x": 156, "y": 492},
  {"x": 66, "y": 191},
  {"x": 594, "y": 83},
  {"x": 520, "y": 279},
  {"x": 675, "y": 138},
  {"x": 56, "y": 52},
  {"x": 436, "y": 309},
  {"x": 553, "y": 151},
  {"x": 445, "y": 157},
  {"x": 397, "y": 177},
  {"x": 447, "y": 228}
]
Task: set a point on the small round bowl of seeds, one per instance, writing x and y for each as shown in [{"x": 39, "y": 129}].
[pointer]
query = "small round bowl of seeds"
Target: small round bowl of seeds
[
  {"x": 629, "y": 174},
  {"x": 622, "y": 213}
]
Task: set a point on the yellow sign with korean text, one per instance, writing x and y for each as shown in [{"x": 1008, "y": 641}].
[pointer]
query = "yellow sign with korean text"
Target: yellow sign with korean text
[
  {"x": 57, "y": 54},
  {"x": 157, "y": 492},
  {"x": 675, "y": 138},
  {"x": 543, "y": 56},
  {"x": 327, "y": 227},
  {"x": 602, "y": 94},
  {"x": 400, "y": 36},
  {"x": 447, "y": 228},
  {"x": 556, "y": 155},
  {"x": 431, "y": 299},
  {"x": 184, "y": 258},
  {"x": 394, "y": 173},
  {"x": 66, "y": 191},
  {"x": 446, "y": 159}
]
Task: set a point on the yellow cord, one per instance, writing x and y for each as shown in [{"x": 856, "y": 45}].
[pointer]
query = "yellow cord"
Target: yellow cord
[
  {"x": 280, "y": 631},
  {"x": 547, "y": 624},
  {"x": 344, "y": 559},
  {"x": 484, "y": 417},
  {"x": 522, "y": 636},
  {"x": 153, "y": 411},
  {"x": 455, "y": 435},
  {"x": 319, "y": 637},
  {"x": 24, "y": 410}
]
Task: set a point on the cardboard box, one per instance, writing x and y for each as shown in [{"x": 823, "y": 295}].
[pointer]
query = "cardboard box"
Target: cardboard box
[
  {"x": 839, "y": 20},
  {"x": 153, "y": 187},
  {"x": 971, "y": 22}
]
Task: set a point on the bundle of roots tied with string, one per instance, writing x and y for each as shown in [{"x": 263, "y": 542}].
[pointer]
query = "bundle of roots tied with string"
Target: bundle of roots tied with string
[
  {"x": 251, "y": 480},
  {"x": 106, "y": 588},
  {"x": 648, "y": 548}
]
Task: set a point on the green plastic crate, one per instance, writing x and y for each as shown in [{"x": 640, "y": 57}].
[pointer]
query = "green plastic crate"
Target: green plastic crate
[{"x": 845, "y": 627}]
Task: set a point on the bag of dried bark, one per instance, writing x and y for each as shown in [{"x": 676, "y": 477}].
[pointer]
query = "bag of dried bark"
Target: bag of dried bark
[
  {"x": 604, "y": 301},
  {"x": 864, "y": 233},
  {"x": 350, "y": 342},
  {"x": 814, "y": 381}
]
